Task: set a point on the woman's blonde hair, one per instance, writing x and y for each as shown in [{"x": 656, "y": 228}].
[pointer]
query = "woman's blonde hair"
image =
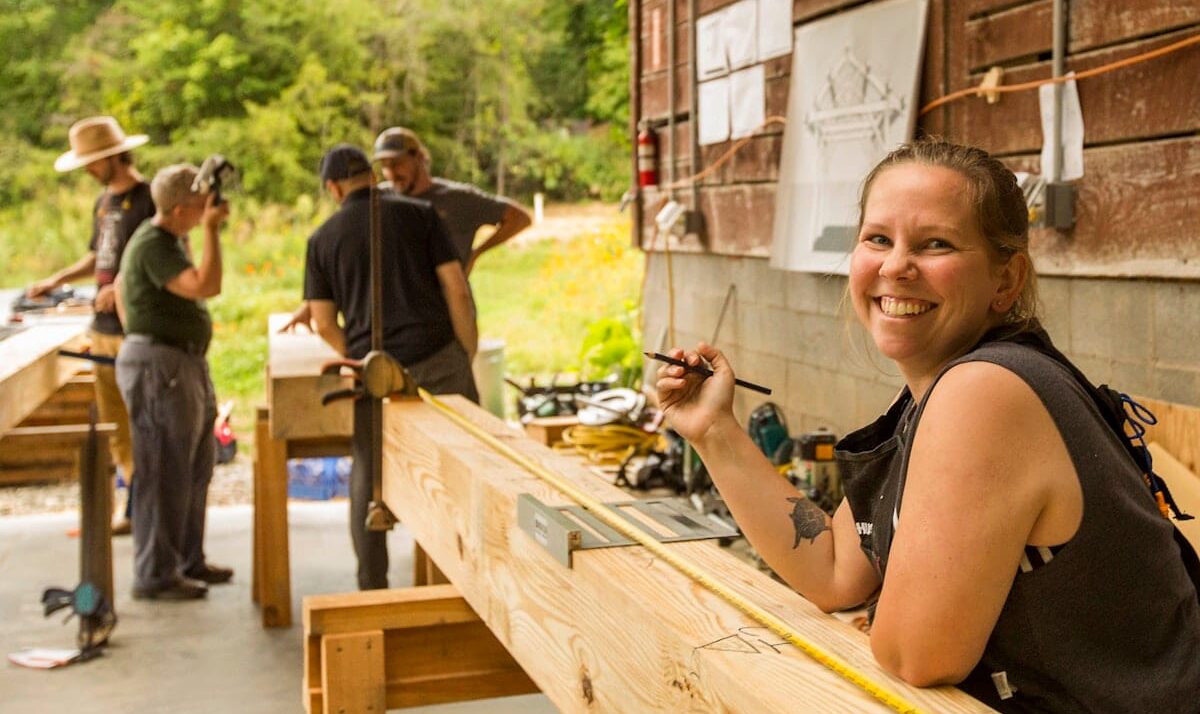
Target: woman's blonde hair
[{"x": 999, "y": 207}]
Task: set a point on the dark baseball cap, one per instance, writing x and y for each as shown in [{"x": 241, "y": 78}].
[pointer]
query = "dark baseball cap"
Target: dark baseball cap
[
  {"x": 343, "y": 161},
  {"x": 398, "y": 141}
]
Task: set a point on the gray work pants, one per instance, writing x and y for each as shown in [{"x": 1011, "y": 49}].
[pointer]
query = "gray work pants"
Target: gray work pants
[
  {"x": 169, "y": 394},
  {"x": 447, "y": 371}
]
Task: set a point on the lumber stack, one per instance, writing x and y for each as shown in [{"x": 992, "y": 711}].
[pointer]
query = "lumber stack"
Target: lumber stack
[{"x": 621, "y": 630}]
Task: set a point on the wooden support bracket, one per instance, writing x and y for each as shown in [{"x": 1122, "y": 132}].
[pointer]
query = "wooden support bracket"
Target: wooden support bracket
[{"x": 435, "y": 650}]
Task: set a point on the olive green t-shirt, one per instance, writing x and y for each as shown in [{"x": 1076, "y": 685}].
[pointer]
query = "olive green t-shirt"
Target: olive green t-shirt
[{"x": 153, "y": 258}]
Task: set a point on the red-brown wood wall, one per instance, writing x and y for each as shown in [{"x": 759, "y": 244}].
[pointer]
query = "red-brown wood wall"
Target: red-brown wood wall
[{"x": 1138, "y": 206}]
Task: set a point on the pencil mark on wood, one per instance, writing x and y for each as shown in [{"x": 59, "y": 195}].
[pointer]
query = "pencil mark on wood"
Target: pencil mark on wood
[{"x": 808, "y": 519}]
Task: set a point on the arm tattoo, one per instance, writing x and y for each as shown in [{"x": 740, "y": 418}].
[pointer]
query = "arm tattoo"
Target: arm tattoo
[{"x": 808, "y": 519}]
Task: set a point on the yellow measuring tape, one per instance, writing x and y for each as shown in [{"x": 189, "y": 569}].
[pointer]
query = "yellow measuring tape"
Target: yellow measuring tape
[{"x": 693, "y": 571}]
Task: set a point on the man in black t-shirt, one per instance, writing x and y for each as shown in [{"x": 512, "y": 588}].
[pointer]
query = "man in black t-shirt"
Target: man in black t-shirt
[
  {"x": 428, "y": 319},
  {"x": 100, "y": 147}
]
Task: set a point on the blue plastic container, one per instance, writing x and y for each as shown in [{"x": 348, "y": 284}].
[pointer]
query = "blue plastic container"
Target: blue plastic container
[{"x": 319, "y": 479}]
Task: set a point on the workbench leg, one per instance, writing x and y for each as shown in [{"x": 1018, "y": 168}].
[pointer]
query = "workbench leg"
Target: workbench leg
[
  {"x": 271, "y": 530},
  {"x": 96, "y": 520},
  {"x": 425, "y": 571},
  {"x": 352, "y": 673}
]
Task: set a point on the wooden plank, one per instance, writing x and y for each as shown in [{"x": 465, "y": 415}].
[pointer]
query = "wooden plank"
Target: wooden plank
[
  {"x": 1149, "y": 99},
  {"x": 549, "y": 430},
  {"x": 1136, "y": 214},
  {"x": 1091, "y": 23},
  {"x": 425, "y": 571},
  {"x": 295, "y": 385},
  {"x": 30, "y": 369},
  {"x": 44, "y": 453},
  {"x": 270, "y": 525},
  {"x": 621, "y": 631},
  {"x": 1020, "y": 34},
  {"x": 437, "y": 650},
  {"x": 1185, "y": 488},
  {"x": 352, "y": 673},
  {"x": 1177, "y": 431}
]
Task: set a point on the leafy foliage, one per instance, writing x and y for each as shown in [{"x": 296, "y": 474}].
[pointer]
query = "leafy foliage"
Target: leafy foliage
[{"x": 516, "y": 95}]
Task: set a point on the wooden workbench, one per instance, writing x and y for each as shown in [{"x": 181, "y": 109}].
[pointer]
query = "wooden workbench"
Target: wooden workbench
[
  {"x": 620, "y": 630},
  {"x": 30, "y": 368},
  {"x": 292, "y": 425}
]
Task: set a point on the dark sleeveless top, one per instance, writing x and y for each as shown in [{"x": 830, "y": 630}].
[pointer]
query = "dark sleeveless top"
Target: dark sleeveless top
[{"x": 1111, "y": 622}]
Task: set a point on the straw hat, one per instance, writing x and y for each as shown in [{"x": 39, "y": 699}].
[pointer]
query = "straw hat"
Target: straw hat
[{"x": 95, "y": 138}]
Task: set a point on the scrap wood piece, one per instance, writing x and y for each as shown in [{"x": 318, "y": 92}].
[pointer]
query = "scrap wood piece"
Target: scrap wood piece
[{"x": 621, "y": 630}]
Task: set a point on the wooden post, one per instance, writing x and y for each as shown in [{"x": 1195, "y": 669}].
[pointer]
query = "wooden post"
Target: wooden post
[
  {"x": 270, "y": 525},
  {"x": 425, "y": 571},
  {"x": 95, "y": 546}
]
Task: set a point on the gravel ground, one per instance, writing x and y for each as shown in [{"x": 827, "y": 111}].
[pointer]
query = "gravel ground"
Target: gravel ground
[{"x": 232, "y": 483}]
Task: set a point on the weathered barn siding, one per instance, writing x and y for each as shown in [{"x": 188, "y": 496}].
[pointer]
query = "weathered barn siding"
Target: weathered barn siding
[{"x": 1121, "y": 291}]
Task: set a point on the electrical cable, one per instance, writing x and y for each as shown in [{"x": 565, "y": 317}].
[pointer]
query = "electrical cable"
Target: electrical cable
[
  {"x": 672, "y": 557},
  {"x": 1006, "y": 89},
  {"x": 608, "y": 443}
]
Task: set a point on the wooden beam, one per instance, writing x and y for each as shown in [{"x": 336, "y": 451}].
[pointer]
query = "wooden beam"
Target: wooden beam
[
  {"x": 436, "y": 649},
  {"x": 621, "y": 630},
  {"x": 1177, "y": 430},
  {"x": 31, "y": 370},
  {"x": 295, "y": 385}
]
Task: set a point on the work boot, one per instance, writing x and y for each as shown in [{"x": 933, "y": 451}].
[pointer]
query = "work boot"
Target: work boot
[
  {"x": 180, "y": 589},
  {"x": 211, "y": 574},
  {"x": 122, "y": 526}
]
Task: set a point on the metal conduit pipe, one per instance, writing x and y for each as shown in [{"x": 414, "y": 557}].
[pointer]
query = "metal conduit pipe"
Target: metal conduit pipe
[
  {"x": 1059, "y": 19},
  {"x": 671, "y": 96},
  {"x": 694, "y": 109}
]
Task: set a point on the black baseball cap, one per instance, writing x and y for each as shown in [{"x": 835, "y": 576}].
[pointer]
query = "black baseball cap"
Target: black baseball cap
[
  {"x": 398, "y": 141},
  {"x": 343, "y": 161}
]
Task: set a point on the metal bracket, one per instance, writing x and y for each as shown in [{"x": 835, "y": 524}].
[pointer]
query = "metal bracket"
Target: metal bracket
[{"x": 562, "y": 530}]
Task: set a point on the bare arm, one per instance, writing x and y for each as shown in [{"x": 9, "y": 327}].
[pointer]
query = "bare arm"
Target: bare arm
[
  {"x": 205, "y": 281},
  {"x": 80, "y": 268},
  {"x": 458, "y": 299},
  {"x": 971, "y": 502},
  {"x": 514, "y": 220},
  {"x": 118, "y": 302},
  {"x": 301, "y": 317},
  {"x": 324, "y": 316},
  {"x": 818, "y": 556}
]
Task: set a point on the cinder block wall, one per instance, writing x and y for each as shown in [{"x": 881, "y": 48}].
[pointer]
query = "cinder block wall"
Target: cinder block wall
[{"x": 789, "y": 331}]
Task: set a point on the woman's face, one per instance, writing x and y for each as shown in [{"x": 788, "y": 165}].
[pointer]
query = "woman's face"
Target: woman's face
[{"x": 922, "y": 278}]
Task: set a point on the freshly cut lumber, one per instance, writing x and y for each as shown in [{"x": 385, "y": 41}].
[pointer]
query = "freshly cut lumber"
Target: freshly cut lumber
[
  {"x": 31, "y": 370},
  {"x": 295, "y": 385},
  {"x": 435, "y": 649},
  {"x": 621, "y": 631}
]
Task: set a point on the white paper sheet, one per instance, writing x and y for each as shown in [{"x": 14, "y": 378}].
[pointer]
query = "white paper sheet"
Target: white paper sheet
[
  {"x": 774, "y": 28},
  {"x": 747, "y": 105},
  {"x": 714, "y": 111},
  {"x": 1072, "y": 130},
  {"x": 739, "y": 28},
  {"x": 710, "y": 47}
]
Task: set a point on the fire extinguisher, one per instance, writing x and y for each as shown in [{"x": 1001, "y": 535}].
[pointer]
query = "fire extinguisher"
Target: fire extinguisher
[{"x": 647, "y": 155}]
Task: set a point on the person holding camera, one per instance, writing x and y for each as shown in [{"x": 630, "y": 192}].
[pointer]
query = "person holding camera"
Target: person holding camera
[
  {"x": 164, "y": 378},
  {"x": 428, "y": 318},
  {"x": 100, "y": 147}
]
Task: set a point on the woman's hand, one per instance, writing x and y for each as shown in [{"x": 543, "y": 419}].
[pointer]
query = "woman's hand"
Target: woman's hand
[{"x": 692, "y": 403}]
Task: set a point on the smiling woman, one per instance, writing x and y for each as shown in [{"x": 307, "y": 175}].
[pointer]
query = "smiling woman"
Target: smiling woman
[{"x": 993, "y": 521}]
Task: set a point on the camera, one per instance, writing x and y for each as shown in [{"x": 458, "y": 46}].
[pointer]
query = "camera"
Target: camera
[{"x": 213, "y": 172}]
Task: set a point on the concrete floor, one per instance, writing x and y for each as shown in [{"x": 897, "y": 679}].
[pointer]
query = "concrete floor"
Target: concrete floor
[{"x": 204, "y": 656}]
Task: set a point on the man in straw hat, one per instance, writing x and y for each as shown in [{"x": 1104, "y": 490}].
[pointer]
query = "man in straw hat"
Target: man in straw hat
[{"x": 100, "y": 147}]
